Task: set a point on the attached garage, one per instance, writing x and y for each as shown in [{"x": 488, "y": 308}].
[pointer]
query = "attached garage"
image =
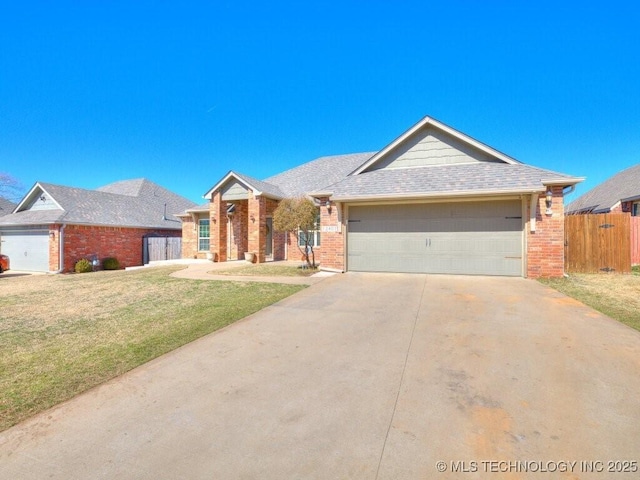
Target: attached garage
[
  {"x": 478, "y": 238},
  {"x": 27, "y": 249}
]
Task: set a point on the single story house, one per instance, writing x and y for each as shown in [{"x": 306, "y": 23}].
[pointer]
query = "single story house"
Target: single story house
[
  {"x": 620, "y": 193},
  {"x": 434, "y": 200},
  {"x": 54, "y": 226}
]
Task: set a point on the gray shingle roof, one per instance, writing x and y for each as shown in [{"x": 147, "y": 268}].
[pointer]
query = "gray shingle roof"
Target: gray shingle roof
[
  {"x": 141, "y": 203},
  {"x": 6, "y": 206},
  {"x": 446, "y": 179},
  {"x": 603, "y": 197},
  {"x": 317, "y": 174}
]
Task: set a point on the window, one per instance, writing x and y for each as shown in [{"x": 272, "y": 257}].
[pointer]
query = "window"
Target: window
[
  {"x": 203, "y": 235},
  {"x": 315, "y": 235},
  {"x": 635, "y": 209}
]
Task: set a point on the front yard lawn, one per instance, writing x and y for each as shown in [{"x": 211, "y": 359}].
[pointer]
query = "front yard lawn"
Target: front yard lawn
[
  {"x": 266, "y": 270},
  {"x": 617, "y": 296},
  {"x": 61, "y": 335}
]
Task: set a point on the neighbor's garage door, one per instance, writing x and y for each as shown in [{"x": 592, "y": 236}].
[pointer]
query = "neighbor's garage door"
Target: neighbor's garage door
[
  {"x": 27, "y": 250},
  {"x": 482, "y": 238}
]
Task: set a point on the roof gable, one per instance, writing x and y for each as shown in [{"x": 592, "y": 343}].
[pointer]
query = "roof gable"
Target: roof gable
[
  {"x": 245, "y": 182},
  {"x": 428, "y": 143},
  {"x": 38, "y": 198}
]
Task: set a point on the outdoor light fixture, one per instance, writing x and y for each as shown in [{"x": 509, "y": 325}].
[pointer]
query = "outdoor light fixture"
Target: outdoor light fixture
[
  {"x": 548, "y": 200},
  {"x": 328, "y": 207}
]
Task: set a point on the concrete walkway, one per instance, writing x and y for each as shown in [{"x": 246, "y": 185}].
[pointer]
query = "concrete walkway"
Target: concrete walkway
[{"x": 364, "y": 376}]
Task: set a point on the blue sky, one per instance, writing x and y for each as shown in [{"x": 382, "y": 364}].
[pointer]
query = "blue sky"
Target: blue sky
[{"x": 180, "y": 92}]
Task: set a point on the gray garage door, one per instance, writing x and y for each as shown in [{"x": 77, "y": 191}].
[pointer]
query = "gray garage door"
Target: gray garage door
[
  {"x": 483, "y": 238},
  {"x": 27, "y": 250}
]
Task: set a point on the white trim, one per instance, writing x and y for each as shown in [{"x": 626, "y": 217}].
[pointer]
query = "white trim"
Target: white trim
[
  {"x": 564, "y": 182},
  {"x": 440, "y": 126}
]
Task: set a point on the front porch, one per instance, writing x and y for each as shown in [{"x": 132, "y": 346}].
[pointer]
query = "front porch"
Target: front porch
[{"x": 240, "y": 226}]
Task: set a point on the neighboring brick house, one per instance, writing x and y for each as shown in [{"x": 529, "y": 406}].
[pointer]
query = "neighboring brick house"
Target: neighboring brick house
[
  {"x": 434, "y": 201},
  {"x": 620, "y": 193},
  {"x": 54, "y": 226}
]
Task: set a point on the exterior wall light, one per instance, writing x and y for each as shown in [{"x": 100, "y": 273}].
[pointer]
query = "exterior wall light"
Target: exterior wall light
[{"x": 548, "y": 201}]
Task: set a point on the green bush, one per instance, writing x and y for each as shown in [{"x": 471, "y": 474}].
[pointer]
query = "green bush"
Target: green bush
[
  {"x": 83, "y": 266},
  {"x": 110, "y": 263}
]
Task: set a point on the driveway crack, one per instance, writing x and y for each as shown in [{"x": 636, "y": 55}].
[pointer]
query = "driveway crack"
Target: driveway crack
[{"x": 404, "y": 369}]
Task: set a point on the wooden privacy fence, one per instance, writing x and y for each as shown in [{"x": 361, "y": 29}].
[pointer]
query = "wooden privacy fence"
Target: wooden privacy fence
[
  {"x": 161, "y": 248},
  {"x": 597, "y": 243},
  {"x": 635, "y": 240}
]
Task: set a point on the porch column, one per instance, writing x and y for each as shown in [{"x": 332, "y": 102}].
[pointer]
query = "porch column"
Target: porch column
[
  {"x": 257, "y": 226},
  {"x": 218, "y": 228}
]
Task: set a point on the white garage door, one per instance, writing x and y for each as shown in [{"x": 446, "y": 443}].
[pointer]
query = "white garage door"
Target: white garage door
[
  {"x": 483, "y": 238},
  {"x": 27, "y": 249}
]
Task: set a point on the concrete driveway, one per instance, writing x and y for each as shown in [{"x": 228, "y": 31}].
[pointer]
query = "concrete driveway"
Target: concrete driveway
[{"x": 364, "y": 376}]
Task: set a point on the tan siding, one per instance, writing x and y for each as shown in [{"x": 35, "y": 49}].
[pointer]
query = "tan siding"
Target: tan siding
[
  {"x": 234, "y": 191},
  {"x": 429, "y": 146}
]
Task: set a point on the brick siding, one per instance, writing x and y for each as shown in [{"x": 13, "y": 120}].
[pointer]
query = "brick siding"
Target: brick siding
[
  {"x": 545, "y": 246},
  {"x": 81, "y": 241}
]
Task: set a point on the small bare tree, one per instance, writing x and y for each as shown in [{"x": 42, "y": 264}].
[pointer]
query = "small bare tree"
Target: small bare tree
[
  {"x": 298, "y": 215},
  {"x": 10, "y": 188}
]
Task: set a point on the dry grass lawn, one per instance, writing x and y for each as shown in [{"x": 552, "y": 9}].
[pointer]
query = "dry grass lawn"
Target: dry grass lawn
[
  {"x": 617, "y": 296},
  {"x": 267, "y": 270},
  {"x": 63, "y": 334}
]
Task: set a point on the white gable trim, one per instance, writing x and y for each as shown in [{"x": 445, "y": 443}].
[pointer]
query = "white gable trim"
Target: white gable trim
[
  {"x": 442, "y": 127},
  {"x": 29, "y": 196}
]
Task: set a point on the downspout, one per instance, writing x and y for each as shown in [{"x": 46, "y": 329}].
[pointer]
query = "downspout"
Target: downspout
[{"x": 61, "y": 249}]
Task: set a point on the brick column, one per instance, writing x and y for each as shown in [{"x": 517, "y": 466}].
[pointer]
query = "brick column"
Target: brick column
[
  {"x": 331, "y": 236},
  {"x": 545, "y": 246},
  {"x": 257, "y": 226},
  {"x": 218, "y": 228}
]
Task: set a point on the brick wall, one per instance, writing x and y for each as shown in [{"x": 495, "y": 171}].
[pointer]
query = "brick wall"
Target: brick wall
[
  {"x": 279, "y": 238},
  {"x": 545, "y": 246},
  {"x": 218, "y": 228},
  {"x": 54, "y": 248},
  {"x": 80, "y": 241},
  {"x": 239, "y": 231},
  {"x": 332, "y": 252},
  {"x": 190, "y": 239},
  {"x": 257, "y": 226}
]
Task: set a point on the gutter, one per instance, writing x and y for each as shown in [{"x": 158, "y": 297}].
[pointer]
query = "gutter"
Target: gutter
[{"x": 426, "y": 195}]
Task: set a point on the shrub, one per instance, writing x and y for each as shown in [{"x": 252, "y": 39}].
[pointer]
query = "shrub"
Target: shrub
[
  {"x": 83, "y": 266},
  {"x": 110, "y": 263}
]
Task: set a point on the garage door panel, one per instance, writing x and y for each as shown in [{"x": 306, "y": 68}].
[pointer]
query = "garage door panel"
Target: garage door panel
[
  {"x": 471, "y": 238},
  {"x": 27, "y": 250}
]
